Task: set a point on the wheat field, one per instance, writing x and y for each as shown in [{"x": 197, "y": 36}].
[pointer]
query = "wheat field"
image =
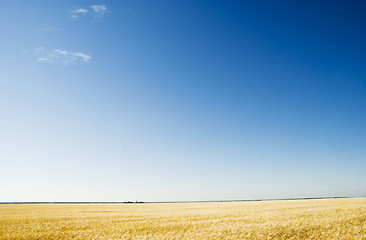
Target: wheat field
[{"x": 287, "y": 219}]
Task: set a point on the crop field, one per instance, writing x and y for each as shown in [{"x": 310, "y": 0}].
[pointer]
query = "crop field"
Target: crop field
[{"x": 287, "y": 219}]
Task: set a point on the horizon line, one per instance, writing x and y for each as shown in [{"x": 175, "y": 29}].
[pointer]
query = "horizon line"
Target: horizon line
[{"x": 192, "y": 201}]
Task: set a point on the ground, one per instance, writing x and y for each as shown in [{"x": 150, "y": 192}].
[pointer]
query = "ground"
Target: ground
[{"x": 343, "y": 218}]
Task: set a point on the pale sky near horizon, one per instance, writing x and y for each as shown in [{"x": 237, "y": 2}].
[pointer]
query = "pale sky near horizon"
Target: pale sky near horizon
[{"x": 181, "y": 100}]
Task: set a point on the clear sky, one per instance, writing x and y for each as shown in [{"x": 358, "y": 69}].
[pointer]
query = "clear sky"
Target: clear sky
[{"x": 181, "y": 100}]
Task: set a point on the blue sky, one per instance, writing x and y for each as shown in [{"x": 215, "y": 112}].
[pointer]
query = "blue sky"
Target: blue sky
[{"x": 181, "y": 100}]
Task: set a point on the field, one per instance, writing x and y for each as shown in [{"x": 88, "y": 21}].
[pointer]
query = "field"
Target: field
[{"x": 288, "y": 219}]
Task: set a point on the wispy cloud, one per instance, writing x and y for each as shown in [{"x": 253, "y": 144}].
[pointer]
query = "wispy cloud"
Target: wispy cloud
[
  {"x": 81, "y": 10},
  {"x": 93, "y": 10},
  {"x": 100, "y": 9},
  {"x": 60, "y": 56},
  {"x": 78, "y": 12}
]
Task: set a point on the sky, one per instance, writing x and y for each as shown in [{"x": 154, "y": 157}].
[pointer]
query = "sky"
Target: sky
[{"x": 181, "y": 100}]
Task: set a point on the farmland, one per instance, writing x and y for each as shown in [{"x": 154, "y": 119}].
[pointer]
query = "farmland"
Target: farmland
[{"x": 343, "y": 218}]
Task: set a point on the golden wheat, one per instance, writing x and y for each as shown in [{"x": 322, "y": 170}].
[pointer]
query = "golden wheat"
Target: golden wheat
[{"x": 289, "y": 219}]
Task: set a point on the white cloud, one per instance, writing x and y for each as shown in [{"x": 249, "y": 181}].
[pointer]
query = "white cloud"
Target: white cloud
[
  {"x": 81, "y": 10},
  {"x": 83, "y": 56},
  {"x": 60, "y": 56},
  {"x": 94, "y": 10},
  {"x": 101, "y": 9},
  {"x": 58, "y": 51}
]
